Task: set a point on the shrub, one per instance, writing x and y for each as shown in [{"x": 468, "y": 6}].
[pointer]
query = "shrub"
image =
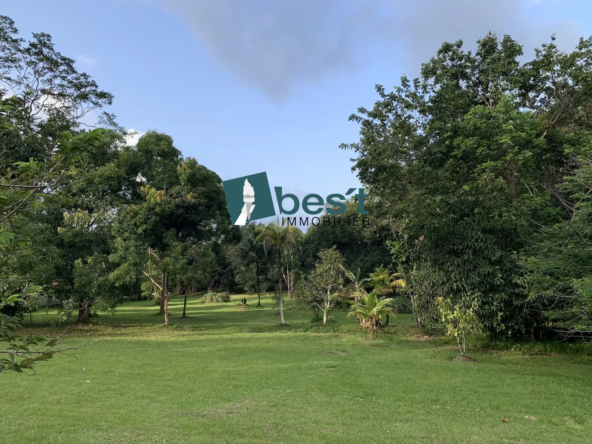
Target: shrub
[{"x": 216, "y": 298}]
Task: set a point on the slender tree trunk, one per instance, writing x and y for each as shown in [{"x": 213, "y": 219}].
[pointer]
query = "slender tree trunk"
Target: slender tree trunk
[
  {"x": 326, "y": 310},
  {"x": 83, "y": 313},
  {"x": 166, "y": 299},
  {"x": 162, "y": 293},
  {"x": 418, "y": 320},
  {"x": 461, "y": 345},
  {"x": 185, "y": 306},
  {"x": 258, "y": 287},
  {"x": 282, "y": 320},
  {"x": 290, "y": 286}
]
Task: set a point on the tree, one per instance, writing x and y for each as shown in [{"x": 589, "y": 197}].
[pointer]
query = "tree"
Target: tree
[
  {"x": 48, "y": 96},
  {"x": 249, "y": 256},
  {"x": 323, "y": 286},
  {"x": 369, "y": 310},
  {"x": 202, "y": 264},
  {"x": 279, "y": 237},
  {"x": 291, "y": 269},
  {"x": 559, "y": 279},
  {"x": 460, "y": 165},
  {"x": 363, "y": 247},
  {"x": 182, "y": 202},
  {"x": 459, "y": 319}
]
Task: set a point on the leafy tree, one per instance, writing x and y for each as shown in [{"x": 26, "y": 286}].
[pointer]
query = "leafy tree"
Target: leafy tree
[
  {"x": 47, "y": 95},
  {"x": 250, "y": 256},
  {"x": 362, "y": 247},
  {"x": 461, "y": 163},
  {"x": 459, "y": 319},
  {"x": 325, "y": 284},
  {"x": 560, "y": 267},
  {"x": 183, "y": 202}
]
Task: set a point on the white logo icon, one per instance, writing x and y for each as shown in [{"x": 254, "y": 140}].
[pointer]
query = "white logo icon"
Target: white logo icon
[{"x": 249, "y": 206}]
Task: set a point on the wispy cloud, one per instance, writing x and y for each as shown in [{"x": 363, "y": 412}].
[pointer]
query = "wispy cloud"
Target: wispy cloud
[{"x": 86, "y": 60}]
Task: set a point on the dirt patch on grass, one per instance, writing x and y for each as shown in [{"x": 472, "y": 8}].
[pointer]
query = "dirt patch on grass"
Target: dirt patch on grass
[{"x": 335, "y": 352}]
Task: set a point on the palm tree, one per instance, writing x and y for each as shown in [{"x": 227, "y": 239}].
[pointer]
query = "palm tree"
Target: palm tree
[
  {"x": 369, "y": 310},
  {"x": 380, "y": 281},
  {"x": 279, "y": 236},
  {"x": 357, "y": 284}
]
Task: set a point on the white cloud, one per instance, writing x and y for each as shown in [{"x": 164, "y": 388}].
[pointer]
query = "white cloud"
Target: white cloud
[
  {"x": 132, "y": 137},
  {"x": 86, "y": 60}
]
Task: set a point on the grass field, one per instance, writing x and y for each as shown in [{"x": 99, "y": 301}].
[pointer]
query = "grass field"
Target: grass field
[{"x": 228, "y": 375}]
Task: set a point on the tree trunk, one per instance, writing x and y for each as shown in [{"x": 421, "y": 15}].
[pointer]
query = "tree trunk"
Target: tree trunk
[
  {"x": 165, "y": 283},
  {"x": 326, "y": 310},
  {"x": 185, "y": 306},
  {"x": 258, "y": 288},
  {"x": 282, "y": 320},
  {"x": 290, "y": 287},
  {"x": 162, "y": 292},
  {"x": 387, "y": 321},
  {"x": 418, "y": 321},
  {"x": 83, "y": 313}
]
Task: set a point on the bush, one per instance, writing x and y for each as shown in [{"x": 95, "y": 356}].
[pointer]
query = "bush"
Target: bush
[{"x": 216, "y": 298}]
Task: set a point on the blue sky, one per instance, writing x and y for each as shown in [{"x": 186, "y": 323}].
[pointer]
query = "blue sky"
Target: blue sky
[{"x": 268, "y": 85}]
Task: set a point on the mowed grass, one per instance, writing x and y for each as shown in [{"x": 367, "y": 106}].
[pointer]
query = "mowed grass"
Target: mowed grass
[{"x": 228, "y": 375}]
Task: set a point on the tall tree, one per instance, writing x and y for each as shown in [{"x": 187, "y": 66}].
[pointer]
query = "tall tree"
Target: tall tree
[
  {"x": 182, "y": 202},
  {"x": 250, "y": 258},
  {"x": 462, "y": 163},
  {"x": 279, "y": 237}
]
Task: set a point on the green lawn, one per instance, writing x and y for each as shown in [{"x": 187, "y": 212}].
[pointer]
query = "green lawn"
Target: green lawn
[{"x": 229, "y": 375}]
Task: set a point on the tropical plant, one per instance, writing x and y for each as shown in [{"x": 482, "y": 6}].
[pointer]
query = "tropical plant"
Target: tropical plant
[
  {"x": 370, "y": 310},
  {"x": 356, "y": 283}
]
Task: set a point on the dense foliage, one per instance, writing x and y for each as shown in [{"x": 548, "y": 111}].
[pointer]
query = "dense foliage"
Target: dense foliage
[
  {"x": 466, "y": 166},
  {"x": 479, "y": 176}
]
